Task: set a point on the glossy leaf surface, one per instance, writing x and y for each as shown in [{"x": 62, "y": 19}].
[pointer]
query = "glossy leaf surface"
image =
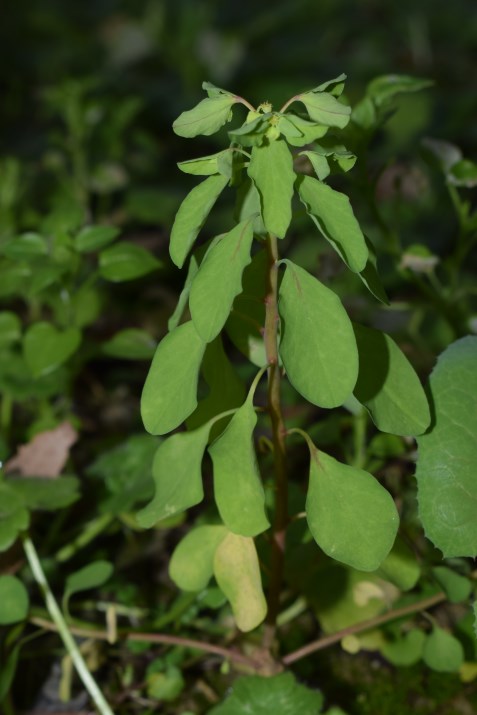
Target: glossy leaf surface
[
  {"x": 170, "y": 391},
  {"x": 237, "y": 572},
  {"x": 318, "y": 348},
  {"x": 351, "y": 516},
  {"x": 271, "y": 169},
  {"x": 447, "y": 488},
  {"x": 192, "y": 215}
]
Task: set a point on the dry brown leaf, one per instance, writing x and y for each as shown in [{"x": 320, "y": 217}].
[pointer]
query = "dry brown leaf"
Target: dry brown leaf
[{"x": 46, "y": 454}]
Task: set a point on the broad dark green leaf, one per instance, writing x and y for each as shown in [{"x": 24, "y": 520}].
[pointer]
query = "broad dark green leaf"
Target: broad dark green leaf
[
  {"x": 92, "y": 238},
  {"x": 332, "y": 213},
  {"x": 192, "y": 563},
  {"x": 442, "y": 651},
  {"x": 457, "y": 587},
  {"x": 170, "y": 391},
  {"x": 318, "y": 348},
  {"x": 219, "y": 280},
  {"x": 177, "y": 475},
  {"x": 130, "y": 344},
  {"x": 220, "y": 163},
  {"x": 271, "y": 169},
  {"x": 388, "y": 386},
  {"x": 45, "y": 348},
  {"x": 125, "y": 262},
  {"x": 14, "y": 601},
  {"x": 352, "y": 518},
  {"x": 205, "y": 118},
  {"x": 447, "y": 488},
  {"x": 10, "y": 328},
  {"x": 237, "y": 572},
  {"x": 13, "y": 516},
  {"x": 238, "y": 488},
  {"x": 27, "y": 247},
  {"x": 192, "y": 215},
  {"x": 46, "y": 494},
  {"x": 279, "y": 694}
]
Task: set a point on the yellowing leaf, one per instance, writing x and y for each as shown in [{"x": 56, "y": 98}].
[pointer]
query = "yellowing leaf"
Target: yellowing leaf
[{"x": 192, "y": 563}]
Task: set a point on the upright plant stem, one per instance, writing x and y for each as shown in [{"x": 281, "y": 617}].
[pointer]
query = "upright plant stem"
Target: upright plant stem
[
  {"x": 69, "y": 642},
  {"x": 278, "y": 439}
]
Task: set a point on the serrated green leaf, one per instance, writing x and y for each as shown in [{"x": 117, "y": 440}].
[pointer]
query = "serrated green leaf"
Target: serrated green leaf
[
  {"x": 14, "y": 517},
  {"x": 237, "y": 572},
  {"x": 280, "y": 694},
  {"x": 92, "y": 238},
  {"x": 130, "y": 344},
  {"x": 192, "y": 215},
  {"x": 170, "y": 391},
  {"x": 351, "y": 516},
  {"x": 45, "y": 348},
  {"x": 271, "y": 169},
  {"x": 219, "y": 163},
  {"x": 324, "y": 108},
  {"x": 125, "y": 262},
  {"x": 192, "y": 563},
  {"x": 177, "y": 475},
  {"x": 14, "y": 601},
  {"x": 400, "y": 566},
  {"x": 205, "y": 118},
  {"x": 10, "y": 328},
  {"x": 388, "y": 386},
  {"x": 456, "y": 587},
  {"x": 447, "y": 489},
  {"x": 405, "y": 651},
  {"x": 219, "y": 280},
  {"x": 332, "y": 213},
  {"x": 317, "y": 347},
  {"x": 442, "y": 652},
  {"x": 242, "y": 508}
]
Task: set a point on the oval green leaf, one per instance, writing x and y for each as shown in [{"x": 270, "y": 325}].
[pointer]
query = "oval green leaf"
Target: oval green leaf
[
  {"x": 45, "y": 348},
  {"x": 205, "y": 118},
  {"x": 176, "y": 471},
  {"x": 318, "y": 348},
  {"x": 219, "y": 280},
  {"x": 237, "y": 571},
  {"x": 447, "y": 488},
  {"x": 325, "y": 109},
  {"x": 388, "y": 386},
  {"x": 352, "y": 518},
  {"x": 442, "y": 652},
  {"x": 238, "y": 489},
  {"x": 170, "y": 391},
  {"x": 192, "y": 214},
  {"x": 125, "y": 262},
  {"x": 331, "y": 211},
  {"x": 271, "y": 170},
  {"x": 14, "y": 601},
  {"x": 192, "y": 563},
  {"x": 92, "y": 238}
]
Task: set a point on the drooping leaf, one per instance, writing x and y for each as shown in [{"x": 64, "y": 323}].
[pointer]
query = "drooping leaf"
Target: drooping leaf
[
  {"x": 45, "y": 348},
  {"x": 447, "y": 489},
  {"x": 192, "y": 563},
  {"x": 219, "y": 280},
  {"x": 92, "y": 238},
  {"x": 130, "y": 344},
  {"x": 237, "y": 572},
  {"x": 442, "y": 651},
  {"x": 280, "y": 694},
  {"x": 317, "y": 347},
  {"x": 400, "y": 566},
  {"x": 319, "y": 163},
  {"x": 271, "y": 169},
  {"x": 457, "y": 587},
  {"x": 388, "y": 386},
  {"x": 14, "y": 601},
  {"x": 170, "y": 391},
  {"x": 219, "y": 163},
  {"x": 176, "y": 471},
  {"x": 192, "y": 215},
  {"x": 126, "y": 261},
  {"x": 14, "y": 517},
  {"x": 332, "y": 213},
  {"x": 238, "y": 488},
  {"x": 207, "y": 117},
  {"x": 351, "y": 516},
  {"x": 92, "y": 576}
]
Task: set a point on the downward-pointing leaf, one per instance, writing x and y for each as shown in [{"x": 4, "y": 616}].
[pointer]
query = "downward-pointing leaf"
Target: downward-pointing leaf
[
  {"x": 192, "y": 563},
  {"x": 447, "y": 488},
  {"x": 177, "y": 475},
  {"x": 206, "y": 117},
  {"x": 238, "y": 489},
  {"x": 219, "y": 280},
  {"x": 443, "y": 652},
  {"x": 271, "y": 169},
  {"x": 209, "y": 165},
  {"x": 351, "y": 516},
  {"x": 192, "y": 214},
  {"x": 332, "y": 213},
  {"x": 318, "y": 348},
  {"x": 237, "y": 571},
  {"x": 388, "y": 386},
  {"x": 170, "y": 391}
]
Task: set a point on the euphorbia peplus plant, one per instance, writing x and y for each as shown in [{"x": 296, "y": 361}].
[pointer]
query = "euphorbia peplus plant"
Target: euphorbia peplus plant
[{"x": 290, "y": 326}]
